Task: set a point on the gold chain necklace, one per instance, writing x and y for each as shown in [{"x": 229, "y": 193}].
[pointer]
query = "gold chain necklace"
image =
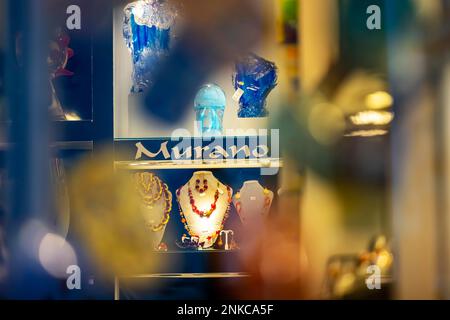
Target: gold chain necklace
[
  {"x": 145, "y": 183},
  {"x": 167, "y": 209}
]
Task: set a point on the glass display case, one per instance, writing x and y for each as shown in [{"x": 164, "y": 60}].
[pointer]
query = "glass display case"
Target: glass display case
[
  {"x": 196, "y": 178},
  {"x": 131, "y": 122},
  {"x": 202, "y": 160}
]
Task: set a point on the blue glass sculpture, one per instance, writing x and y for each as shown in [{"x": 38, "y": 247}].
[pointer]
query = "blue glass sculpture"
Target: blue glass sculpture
[
  {"x": 210, "y": 105},
  {"x": 147, "y": 32},
  {"x": 253, "y": 80}
]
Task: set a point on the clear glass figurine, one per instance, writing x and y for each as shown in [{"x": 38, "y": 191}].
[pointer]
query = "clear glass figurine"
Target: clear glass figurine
[
  {"x": 210, "y": 105},
  {"x": 147, "y": 31}
]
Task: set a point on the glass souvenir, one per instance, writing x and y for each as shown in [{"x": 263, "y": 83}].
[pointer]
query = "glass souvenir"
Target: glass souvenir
[
  {"x": 253, "y": 80},
  {"x": 58, "y": 56},
  {"x": 210, "y": 105},
  {"x": 147, "y": 32}
]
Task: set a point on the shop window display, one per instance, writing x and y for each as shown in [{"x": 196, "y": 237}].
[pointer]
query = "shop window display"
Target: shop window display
[{"x": 256, "y": 183}]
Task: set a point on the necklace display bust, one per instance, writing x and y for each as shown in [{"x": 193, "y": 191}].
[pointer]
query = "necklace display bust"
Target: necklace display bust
[
  {"x": 155, "y": 206},
  {"x": 204, "y": 204},
  {"x": 253, "y": 202}
]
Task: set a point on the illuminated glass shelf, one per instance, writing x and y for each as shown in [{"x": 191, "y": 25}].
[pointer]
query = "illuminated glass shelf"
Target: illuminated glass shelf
[
  {"x": 205, "y": 275},
  {"x": 200, "y": 164},
  {"x": 209, "y": 275},
  {"x": 188, "y": 251}
]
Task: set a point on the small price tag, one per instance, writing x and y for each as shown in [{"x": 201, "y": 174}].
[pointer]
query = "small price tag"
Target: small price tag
[{"x": 238, "y": 94}]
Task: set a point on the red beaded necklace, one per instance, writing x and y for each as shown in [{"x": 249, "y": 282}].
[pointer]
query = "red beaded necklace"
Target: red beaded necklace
[
  {"x": 215, "y": 233},
  {"x": 213, "y": 207}
]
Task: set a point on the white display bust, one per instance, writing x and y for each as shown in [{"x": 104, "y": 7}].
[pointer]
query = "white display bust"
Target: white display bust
[
  {"x": 253, "y": 202},
  {"x": 155, "y": 213},
  {"x": 208, "y": 221}
]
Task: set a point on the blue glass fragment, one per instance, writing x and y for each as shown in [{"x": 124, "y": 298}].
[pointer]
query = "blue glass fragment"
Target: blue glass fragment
[
  {"x": 256, "y": 77},
  {"x": 210, "y": 105}
]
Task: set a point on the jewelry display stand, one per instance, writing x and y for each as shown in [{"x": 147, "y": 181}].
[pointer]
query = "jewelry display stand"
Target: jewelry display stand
[
  {"x": 156, "y": 204},
  {"x": 204, "y": 204},
  {"x": 253, "y": 202}
]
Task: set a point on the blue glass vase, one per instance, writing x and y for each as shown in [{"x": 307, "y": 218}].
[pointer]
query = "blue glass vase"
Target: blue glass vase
[
  {"x": 210, "y": 105},
  {"x": 253, "y": 80},
  {"x": 147, "y": 32}
]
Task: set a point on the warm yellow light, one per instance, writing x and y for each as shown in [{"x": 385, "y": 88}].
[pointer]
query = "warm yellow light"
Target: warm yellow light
[
  {"x": 379, "y": 100},
  {"x": 384, "y": 259},
  {"x": 377, "y": 118},
  {"x": 367, "y": 133},
  {"x": 72, "y": 116},
  {"x": 109, "y": 212},
  {"x": 344, "y": 284}
]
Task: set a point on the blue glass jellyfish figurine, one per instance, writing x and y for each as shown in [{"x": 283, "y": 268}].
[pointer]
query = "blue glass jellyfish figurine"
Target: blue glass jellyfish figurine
[
  {"x": 147, "y": 31},
  {"x": 253, "y": 80},
  {"x": 210, "y": 105}
]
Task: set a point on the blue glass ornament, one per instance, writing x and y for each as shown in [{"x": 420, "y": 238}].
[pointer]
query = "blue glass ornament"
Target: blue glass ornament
[
  {"x": 254, "y": 79},
  {"x": 210, "y": 105},
  {"x": 147, "y": 32}
]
